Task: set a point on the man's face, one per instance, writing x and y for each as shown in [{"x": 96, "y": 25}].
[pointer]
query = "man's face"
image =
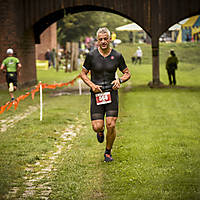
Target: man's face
[{"x": 103, "y": 41}]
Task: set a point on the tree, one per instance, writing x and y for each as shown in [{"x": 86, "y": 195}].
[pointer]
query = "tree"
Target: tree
[{"x": 74, "y": 27}]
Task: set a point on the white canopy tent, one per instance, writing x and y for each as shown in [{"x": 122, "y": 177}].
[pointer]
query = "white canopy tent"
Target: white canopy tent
[
  {"x": 133, "y": 27},
  {"x": 129, "y": 27},
  {"x": 175, "y": 27}
]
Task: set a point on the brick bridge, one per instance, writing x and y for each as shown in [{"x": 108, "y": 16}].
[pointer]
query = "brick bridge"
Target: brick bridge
[{"x": 22, "y": 22}]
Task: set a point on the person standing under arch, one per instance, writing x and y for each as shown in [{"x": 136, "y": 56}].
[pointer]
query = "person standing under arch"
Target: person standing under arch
[{"x": 171, "y": 67}]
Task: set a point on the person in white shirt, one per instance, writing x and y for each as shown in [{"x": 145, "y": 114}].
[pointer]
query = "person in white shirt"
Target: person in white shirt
[{"x": 138, "y": 55}]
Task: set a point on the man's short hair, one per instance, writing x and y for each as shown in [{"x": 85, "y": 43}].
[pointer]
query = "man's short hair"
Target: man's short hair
[{"x": 103, "y": 30}]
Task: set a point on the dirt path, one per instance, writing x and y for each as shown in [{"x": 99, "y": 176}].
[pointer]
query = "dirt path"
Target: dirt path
[
  {"x": 11, "y": 121},
  {"x": 37, "y": 181}
]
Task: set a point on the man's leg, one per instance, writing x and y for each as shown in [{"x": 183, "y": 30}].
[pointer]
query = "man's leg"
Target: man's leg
[
  {"x": 169, "y": 76},
  {"x": 174, "y": 77},
  {"x": 136, "y": 60},
  {"x": 11, "y": 88},
  {"x": 140, "y": 60},
  {"x": 12, "y": 92},
  {"x": 98, "y": 125},
  {"x": 110, "y": 137},
  {"x": 11, "y": 95},
  {"x": 14, "y": 86},
  {"x": 111, "y": 131}
]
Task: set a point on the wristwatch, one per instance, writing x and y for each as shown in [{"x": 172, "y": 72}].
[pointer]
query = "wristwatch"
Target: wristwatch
[{"x": 120, "y": 80}]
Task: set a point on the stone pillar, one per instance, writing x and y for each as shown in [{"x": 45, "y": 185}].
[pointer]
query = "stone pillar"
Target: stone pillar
[
  {"x": 155, "y": 64},
  {"x": 26, "y": 54}
]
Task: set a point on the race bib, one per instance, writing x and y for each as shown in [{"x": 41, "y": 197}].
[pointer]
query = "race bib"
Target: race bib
[{"x": 103, "y": 98}]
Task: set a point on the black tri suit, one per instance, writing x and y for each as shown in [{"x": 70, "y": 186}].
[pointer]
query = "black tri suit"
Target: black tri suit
[{"x": 103, "y": 73}]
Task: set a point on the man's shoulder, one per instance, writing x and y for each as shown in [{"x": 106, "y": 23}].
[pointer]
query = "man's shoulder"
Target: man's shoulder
[
  {"x": 116, "y": 53},
  {"x": 7, "y": 59},
  {"x": 169, "y": 57},
  {"x": 93, "y": 52}
]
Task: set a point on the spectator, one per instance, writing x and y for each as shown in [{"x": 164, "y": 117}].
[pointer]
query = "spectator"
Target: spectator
[
  {"x": 47, "y": 57},
  {"x": 113, "y": 38},
  {"x": 53, "y": 57},
  {"x": 139, "y": 55},
  {"x": 131, "y": 37},
  {"x": 171, "y": 67}
]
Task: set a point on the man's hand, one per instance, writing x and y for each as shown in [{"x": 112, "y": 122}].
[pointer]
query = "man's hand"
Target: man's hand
[
  {"x": 96, "y": 88},
  {"x": 116, "y": 84}
]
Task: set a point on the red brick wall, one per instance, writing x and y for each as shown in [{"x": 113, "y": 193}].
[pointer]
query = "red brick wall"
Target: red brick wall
[
  {"x": 7, "y": 35},
  {"x": 48, "y": 40},
  {"x": 21, "y": 41}
]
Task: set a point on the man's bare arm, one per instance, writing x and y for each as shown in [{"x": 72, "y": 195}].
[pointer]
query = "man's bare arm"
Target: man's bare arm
[
  {"x": 126, "y": 76},
  {"x": 2, "y": 66},
  {"x": 87, "y": 81}
]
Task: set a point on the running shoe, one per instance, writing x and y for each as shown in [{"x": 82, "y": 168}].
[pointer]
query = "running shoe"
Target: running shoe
[
  {"x": 108, "y": 158},
  {"x": 100, "y": 136}
]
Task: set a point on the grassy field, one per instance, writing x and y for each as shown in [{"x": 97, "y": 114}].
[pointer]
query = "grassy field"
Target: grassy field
[{"x": 156, "y": 151}]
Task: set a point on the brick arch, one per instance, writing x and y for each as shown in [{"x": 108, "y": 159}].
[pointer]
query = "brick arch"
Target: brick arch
[
  {"x": 22, "y": 21},
  {"x": 154, "y": 16},
  {"x": 46, "y": 21}
]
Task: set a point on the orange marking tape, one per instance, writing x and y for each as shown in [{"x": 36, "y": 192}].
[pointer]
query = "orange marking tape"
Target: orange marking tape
[
  {"x": 16, "y": 102},
  {"x": 4, "y": 107},
  {"x": 8, "y": 105}
]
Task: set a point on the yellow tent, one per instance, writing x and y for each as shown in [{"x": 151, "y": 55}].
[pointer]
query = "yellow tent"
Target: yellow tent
[
  {"x": 190, "y": 28},
  {"x": 190, "y": 22},
  {"x": 195, "y": 30},
  {"x": 179, "y": 37}
]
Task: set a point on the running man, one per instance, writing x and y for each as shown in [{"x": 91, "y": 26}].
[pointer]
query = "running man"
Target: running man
[
  {"x": 12, "y": 66},
  {"x": 103, "y": 63}
]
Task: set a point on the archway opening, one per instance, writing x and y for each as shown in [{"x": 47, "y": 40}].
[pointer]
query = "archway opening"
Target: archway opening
[{"x": 84, "y": 29}]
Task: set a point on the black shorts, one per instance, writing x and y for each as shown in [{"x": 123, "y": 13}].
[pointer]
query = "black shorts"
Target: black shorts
[
  {"x": 110, "y": 109},
  {"x": 11, "y": 77}
]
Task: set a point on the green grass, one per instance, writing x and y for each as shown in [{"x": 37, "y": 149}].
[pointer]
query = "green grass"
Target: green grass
[
  {"x": 165, "y": 141},
  {"x": 157, "y": 147},
  {"x": 51, "y": 76}
]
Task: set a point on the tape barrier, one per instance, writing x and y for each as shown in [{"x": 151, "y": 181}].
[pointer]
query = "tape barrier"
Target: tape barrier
[{"x": 9, "y": 104}]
